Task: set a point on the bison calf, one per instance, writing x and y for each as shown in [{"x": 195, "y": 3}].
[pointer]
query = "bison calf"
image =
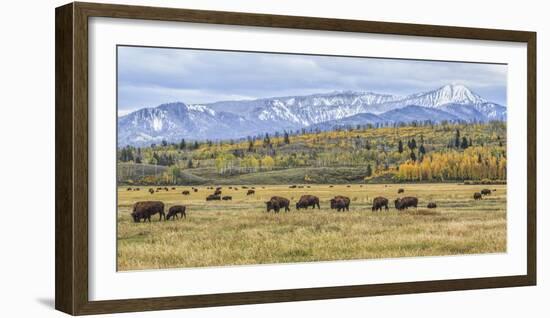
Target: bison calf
[{"x": 175, "y": 210}]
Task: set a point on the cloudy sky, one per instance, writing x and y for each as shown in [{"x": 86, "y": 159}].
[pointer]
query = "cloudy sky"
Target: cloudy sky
[{"x": 148, "y": 77}]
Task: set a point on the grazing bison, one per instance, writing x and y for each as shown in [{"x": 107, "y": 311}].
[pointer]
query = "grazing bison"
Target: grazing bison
[
  {"x": 331, "y": 186},
  {"x": 277, "y": 203},
  {"x": 485, "y": 192},
  {"x": 307, "y": 201},
  {"x": 186, "y": 192},
  {"x": 129, "y": 189},
  {"x": 432, "y": 205},
  {"x": 401, "y": 190},
  {"x": 244, "y": 187},
  {"x": 151, "y": 191},
  {"x": 213, "y": 197},
  {"x": 477, "y": 196},
  {"x": 250, "y": 192},
  {"x": 406, "y": 203},
  {"x": 378, "y": 203},
  {"x": 173, "y": 188},
  {"x": 144, "y": 210},
  {"x": 195, "y": 190},
  {"x": 292, "y": 186},
  {"x": 173, "y": 212},
  {"x": 217, "y": 192},
  {"x": 227, "y": 198},
  {"x": 340, "y": 203}
]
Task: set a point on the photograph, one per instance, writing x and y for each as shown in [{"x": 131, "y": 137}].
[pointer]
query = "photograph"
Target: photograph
[{"x": 233, "y": 158}]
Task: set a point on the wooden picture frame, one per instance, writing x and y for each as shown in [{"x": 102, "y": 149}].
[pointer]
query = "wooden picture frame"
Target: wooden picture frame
[{"x": 71, "y": 90}]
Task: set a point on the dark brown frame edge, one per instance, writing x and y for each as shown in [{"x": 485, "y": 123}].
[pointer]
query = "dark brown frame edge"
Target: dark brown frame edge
[{"x": 71, "y": 154}]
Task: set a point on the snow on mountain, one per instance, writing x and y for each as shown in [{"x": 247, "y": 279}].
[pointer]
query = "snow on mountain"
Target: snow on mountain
[{"x": 238, "y": 119}]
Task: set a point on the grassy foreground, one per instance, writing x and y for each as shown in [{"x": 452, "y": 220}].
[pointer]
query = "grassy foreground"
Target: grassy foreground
[{"x": 238, "y": 232}]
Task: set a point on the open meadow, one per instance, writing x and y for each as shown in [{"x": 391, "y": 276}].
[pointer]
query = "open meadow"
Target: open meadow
[{"x": 240, "y": 231}]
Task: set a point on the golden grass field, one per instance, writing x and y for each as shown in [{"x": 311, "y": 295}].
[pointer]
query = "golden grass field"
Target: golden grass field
[{"x": 238, "y": 232}]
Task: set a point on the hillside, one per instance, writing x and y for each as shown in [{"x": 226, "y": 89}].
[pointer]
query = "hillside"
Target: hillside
[{"x": 436, "y": 153}]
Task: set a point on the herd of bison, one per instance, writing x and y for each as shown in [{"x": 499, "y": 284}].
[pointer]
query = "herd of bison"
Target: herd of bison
[{"x": 143, "y": 210}]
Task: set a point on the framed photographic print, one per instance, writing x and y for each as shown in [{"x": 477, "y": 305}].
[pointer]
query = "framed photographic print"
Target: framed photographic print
[{"x": 211, "y": 158}]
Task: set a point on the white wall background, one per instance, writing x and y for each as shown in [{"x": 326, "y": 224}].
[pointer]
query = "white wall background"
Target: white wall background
[{"x": 27, "y": 158}]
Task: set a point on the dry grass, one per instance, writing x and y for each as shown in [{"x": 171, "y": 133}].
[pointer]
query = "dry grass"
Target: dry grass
[{"x": 241, "y": 232}]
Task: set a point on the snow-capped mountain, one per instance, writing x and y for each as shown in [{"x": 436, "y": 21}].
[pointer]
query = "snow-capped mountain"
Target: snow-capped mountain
[{"x": 237, "y": 119}]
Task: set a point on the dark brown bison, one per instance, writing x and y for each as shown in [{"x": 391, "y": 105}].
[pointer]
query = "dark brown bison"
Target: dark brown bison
[
  {"x": 340, "y": 203},
  {"x": 406, "y": 203},
  {"x": 217, "y": 192},
  {"x": 129, "y": 189},
  {"x": 378, "y": 203},
  {"x": 307, "y": 201},
  {"x": 401, "y": 190},
  {"x": 292, "y": 186},
  {"x": 145, "y": 209},
  {"x": 277, "y": 203},
  {"x": 175, "y": 210},
  {"x": 432, "y": 205},
  {"x": 195, "y": 190},
  {"x": 213, "y": 197},
  {"x": 151, "y": 191},
  {"x": 485, "y": 192},
  {"x": 250, "y": 192},
  {"x": 186, "y": 192},
  {"x": 165, "y": 189},
  {"x": 173, "y": 188},
  {"x": 244, "y": 187},
  {"x": 477, "y": 196},
  {"x": 227, "y": 198}
]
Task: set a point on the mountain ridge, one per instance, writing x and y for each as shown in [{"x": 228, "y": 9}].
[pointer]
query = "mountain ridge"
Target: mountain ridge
[{"x": 238, "y": 119}]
